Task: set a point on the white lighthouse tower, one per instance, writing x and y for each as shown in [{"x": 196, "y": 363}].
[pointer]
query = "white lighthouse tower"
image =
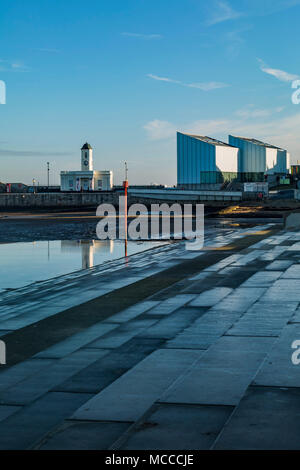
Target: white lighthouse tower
[{"x": 86, "y": 158}]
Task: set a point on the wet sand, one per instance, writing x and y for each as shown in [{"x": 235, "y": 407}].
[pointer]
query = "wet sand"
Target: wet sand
[{"x": 81, "y": 225}]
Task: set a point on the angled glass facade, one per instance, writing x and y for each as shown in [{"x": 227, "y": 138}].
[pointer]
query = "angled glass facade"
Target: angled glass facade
[{"x": 197, "y": 162}]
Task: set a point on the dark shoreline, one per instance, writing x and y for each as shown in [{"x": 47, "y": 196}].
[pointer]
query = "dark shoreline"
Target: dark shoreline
[{"x": 28, "y": 228}]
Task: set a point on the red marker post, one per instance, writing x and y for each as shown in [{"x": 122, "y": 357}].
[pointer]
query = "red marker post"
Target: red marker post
[{"x": 125, "y": 185}]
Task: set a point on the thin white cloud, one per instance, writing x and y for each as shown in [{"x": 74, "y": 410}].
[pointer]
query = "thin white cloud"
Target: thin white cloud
[
  {"x": 17, "y": 65},
  {"x": 32, "y": 153},
  {"x": 163, "y": 79},
  {"x": 277, "y": 73},
  {"x": 234, "y": 41},
  {"x": 160, "y": 130},
  {"x": 45, "y": 49},
  {"x": 222, "y": 12},
  {"x": 250, "y": 112},
  {"x": 204, "y": 86},
  {"x": 164, "y": 130},
  {"x": 142, "y": 36},
  {"x": 12, "y": 66},
  {"x": 280, "y": 74},
  {"x": 259, "y": 8},
  {"x": 207, "y": 86}
]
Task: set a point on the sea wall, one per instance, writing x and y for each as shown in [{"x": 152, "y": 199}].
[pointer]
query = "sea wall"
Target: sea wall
[
  {"x": 68, "y": 200},
  {"x": 55, "y": 200}
]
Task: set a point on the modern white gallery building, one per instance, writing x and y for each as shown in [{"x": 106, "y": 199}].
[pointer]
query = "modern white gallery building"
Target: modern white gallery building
[
  {"x": 203, "y": 160},
  {"x": 257, "y": 158}
]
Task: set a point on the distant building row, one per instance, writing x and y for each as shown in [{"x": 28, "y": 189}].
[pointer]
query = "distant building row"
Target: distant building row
[{"x": 202, "y": 160}]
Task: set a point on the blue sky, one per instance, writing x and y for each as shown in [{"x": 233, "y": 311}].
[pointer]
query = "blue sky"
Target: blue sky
[{"x": 125, "y": 75}]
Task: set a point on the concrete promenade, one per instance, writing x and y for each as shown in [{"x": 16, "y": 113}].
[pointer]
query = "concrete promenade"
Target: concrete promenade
[{"x": 171, "y": 349}]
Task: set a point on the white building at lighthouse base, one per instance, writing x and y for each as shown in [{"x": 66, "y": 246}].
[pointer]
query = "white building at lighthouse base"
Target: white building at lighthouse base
[{"x": 86, "y": 179}]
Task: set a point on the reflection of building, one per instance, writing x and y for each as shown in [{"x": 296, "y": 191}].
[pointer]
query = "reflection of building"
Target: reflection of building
[
  {"x": 88, "y": 249},
  {"x": 87, "y": 179}
]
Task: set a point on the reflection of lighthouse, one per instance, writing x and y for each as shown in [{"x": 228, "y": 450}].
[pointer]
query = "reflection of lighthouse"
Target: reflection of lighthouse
[
  {"x": 87, "y": 253},
  {"x": 88, "y": 249}
]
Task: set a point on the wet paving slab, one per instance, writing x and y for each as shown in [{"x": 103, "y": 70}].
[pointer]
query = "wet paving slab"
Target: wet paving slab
[
  {"x": 139, "y": 388},
  {"x": 221, "y": 376},
  {"x": 102, "y": 373},
  {"x": 27, "y": 425},
  {"x": 177, "y": 427},
  {"x": 266, "y": 419},
  {"x": 37, "y": 385},
  {"x": 278, "y": 370},
  {"x": 91, "y": 435}
]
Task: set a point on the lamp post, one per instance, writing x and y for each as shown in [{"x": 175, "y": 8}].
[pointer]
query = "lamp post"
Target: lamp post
[{"x": 48, "y": 174}]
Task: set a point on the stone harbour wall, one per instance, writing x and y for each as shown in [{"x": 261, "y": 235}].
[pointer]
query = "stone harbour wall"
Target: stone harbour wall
[{"x": 55, "y": 200}]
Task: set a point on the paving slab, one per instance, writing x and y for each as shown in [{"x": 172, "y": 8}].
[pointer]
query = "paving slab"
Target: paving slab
[
  {"x": 105, "y": 371},
  {"x": 43, "y": 381},
  {"x": 235, "y": 276},
  {"x": 170, "y": 305},
  {"x": 279, "y": 265},
  {"x": 21, "y": 430},
  {"x": 205, "y": 331},
  {"x": 241, "y": 299},
  {"x": 197, "y": 287},
  {"x": 293, "y": 272},
  {"x": 133, "y": 312},
  {"x": 229, "y": 270},
  {"x": 262, "y": 279},
  {"x": 77, "y": 435},
  {"x": 170, "y": 326},
  {"x": 271, "y": 255},
  {"x": 223, "y": 263},
  {"x": 294, "y": 247},
  {"x": 178, "y": 427},
  {"x": 30, "y": 317},
  {"x": 202, "y": 275},
  {"x": 210, "y": 297},
  {"x": 278, "y": 369},
  {"x": 264, "y": 319},
  {"x": 296, "y": 317},
  {"x": 266, "y": 419},
  {"x": 23, "y": 370},
  {"x": 243, "y": 260},
  {"x": 6, "y": 411},
  {"x": 77, "y": 341},
  {"x": 122, "y": 334},
  {"x": 283, "y": 290},
  {"x": 222, "y": 375},
  {"x": 129, "y": 397}
]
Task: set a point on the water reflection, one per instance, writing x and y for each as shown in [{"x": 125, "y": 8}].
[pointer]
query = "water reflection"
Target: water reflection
[
  {"x": 24, "y": 263},
  {"x": 88, "y": 249}
]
